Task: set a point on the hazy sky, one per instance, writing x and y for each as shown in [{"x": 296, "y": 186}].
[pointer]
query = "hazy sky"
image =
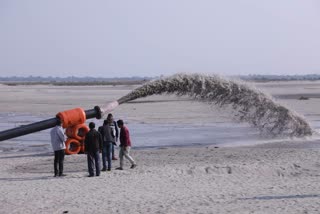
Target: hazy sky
[{"x": 153, "y": 37}]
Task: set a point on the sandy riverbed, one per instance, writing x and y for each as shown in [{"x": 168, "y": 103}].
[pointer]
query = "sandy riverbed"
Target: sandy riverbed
[{"x": 281, "y": 176}]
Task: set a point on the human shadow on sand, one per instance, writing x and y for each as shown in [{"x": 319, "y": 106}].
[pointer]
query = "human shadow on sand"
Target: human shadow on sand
[
  {"x": 27, "y": 155},
  {"x": 47, "y": 177},
  {"x": 31, "y": 178},
  {"x": 47, "y": 166},
  {"x": 282, "y": 197}
]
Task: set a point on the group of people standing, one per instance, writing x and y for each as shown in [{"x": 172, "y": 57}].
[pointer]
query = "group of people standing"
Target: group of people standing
[{"x": 102, "y": 140}]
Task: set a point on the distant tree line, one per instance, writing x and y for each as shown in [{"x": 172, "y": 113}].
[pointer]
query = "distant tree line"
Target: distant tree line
[
  {"x": 32, "y": 80},
  {"x": 72, "y": 80},
  {"x": 263, "y": 78}
]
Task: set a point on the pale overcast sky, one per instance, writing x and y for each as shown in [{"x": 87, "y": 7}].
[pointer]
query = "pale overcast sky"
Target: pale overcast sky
[{"x": 153, "y": 37}]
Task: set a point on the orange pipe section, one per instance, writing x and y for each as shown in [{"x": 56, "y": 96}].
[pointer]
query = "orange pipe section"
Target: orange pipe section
[
  {"x": 73, "y": 146},
  {"x": 77, "y": 132},
  {"x": 72, "y": 117}
]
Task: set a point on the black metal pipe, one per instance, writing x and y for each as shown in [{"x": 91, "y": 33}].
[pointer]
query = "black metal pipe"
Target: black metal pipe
[
  {"x": 42, "y": 125},
  {"x": 27, "y": 129},
  {"x": 94, "y": 113}
]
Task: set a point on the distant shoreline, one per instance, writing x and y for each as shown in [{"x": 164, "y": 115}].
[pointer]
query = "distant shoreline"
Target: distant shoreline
[
  {"x": 91, "y": 81},
  {"x": 80, "y": 83},
  {"x": 125, "y": 82}
]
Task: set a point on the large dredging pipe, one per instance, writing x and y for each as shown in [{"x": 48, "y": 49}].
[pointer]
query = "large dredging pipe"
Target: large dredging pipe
[{"x": 68, "y": 118}]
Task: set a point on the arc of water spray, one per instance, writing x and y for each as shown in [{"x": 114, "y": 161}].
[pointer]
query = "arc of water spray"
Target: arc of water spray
[{"x": 251, "y": 105}]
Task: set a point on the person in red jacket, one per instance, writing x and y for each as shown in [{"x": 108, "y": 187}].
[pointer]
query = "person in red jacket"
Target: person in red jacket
[{"x": 125, "y": 145}]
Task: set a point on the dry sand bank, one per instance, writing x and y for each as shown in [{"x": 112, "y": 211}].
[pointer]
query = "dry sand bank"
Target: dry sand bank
[{"x": 274, "y": 178}]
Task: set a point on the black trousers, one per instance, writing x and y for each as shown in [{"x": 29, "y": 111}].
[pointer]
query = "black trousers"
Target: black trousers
[{"x": 58, "y": 161}]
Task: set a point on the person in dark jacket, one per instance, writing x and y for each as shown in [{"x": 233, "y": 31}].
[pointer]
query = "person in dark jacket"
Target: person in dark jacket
[
  {"x": 93, "y": 145},
  {"x": 104, "y": 146},
  {"x": 114, "y": 125},
  {"x": 108, "y": 136},
  {"x": 125, "y": 145}
]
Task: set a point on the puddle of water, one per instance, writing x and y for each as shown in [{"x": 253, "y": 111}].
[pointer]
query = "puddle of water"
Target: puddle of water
[{"x": 145, "y": 135}]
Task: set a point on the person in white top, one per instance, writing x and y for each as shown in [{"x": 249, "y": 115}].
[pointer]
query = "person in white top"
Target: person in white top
[{"x": 58, "y": 145}]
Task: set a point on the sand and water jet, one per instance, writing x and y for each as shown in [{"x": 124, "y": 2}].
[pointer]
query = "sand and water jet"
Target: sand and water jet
[{"x": 249, "y": 104}]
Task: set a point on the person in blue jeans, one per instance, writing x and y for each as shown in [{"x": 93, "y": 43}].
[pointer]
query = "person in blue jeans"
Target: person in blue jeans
[
  {"x": 108, "y": 136},
  {"x": 93, "y": 144},
  {"x": 116, "y": 133}
]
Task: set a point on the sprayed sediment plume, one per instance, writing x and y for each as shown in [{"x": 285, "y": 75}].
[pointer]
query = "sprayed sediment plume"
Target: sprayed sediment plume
[
  {"x": 108, "y": 107},
  {"x": 250, "y": 105}
]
